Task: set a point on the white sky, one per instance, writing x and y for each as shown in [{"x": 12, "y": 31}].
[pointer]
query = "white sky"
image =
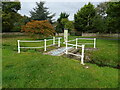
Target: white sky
[
  {"x": 64, "y": 0},
  {"x": 57, "y": 8}
]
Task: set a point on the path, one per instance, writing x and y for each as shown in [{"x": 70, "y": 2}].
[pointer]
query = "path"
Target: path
[{"x": 58, "y": 52}]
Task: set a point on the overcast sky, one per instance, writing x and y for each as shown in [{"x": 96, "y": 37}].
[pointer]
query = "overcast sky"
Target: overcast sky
[
  {"x": 64, "y": 0},
  {"x": 57, "y": 6}
]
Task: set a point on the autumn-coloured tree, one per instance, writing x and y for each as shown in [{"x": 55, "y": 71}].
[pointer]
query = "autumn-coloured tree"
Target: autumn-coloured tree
[{"x": 39, "y": 28}]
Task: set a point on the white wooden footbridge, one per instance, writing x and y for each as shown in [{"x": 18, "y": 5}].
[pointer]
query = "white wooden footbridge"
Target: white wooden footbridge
[{"x": 68, "y": 45}]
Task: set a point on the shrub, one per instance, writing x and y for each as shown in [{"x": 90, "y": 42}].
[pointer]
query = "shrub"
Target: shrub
[{"x": 39, "y": 28}]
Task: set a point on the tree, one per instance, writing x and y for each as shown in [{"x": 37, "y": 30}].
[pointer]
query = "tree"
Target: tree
[
  {"x": 22, "y": 20},
  {"x": 61, "y": 22},
  {"x": 101, "y": 9},
  {"x": 40, "y": 12},
  {"x": 113, "y": 17},
  {"x": 99, "y": 24},
  {"x": 9, "y": 11},
  {"x": 38, "y": 28},
  {"x": 11, "y": 6},
  {"x": 67, "y": 24},
  {"x": 63, "y": 15},
  {"x": 99, "y": 21},
  {"x": 84, "y": 17}
]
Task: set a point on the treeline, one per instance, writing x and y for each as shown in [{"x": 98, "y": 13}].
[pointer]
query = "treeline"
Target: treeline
[
  {"x": 105, "y": 18},
  {"x": 11, "y": 19}
]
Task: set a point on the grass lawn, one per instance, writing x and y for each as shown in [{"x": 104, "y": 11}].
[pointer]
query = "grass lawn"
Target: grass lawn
[{"x": 32, "y": 69}]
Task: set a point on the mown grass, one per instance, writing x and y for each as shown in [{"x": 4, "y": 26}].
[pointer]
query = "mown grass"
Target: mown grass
[
  {"x": 32, "y": 69},
  {"x": 107, "y": 53}
]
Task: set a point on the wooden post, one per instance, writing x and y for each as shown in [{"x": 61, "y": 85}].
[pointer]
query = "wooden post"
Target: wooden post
[
  {"x": 44, "y": 44},
  {"x": 18, "y": 46},
  {"x": 76, "y": 42},
  {"x": 66, "y": 47},
  {"x": 82, "y": 56},
  {"x": 58, "y": 42},
  {"x": 94, "y": 42},
  {"x": 53, "y": 40}
]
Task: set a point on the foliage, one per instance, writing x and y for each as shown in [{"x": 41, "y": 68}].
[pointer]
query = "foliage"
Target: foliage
[
  {"x": 67, "y": 24},
  {"x": 61, "y": 22},
  {"x": 100, "y": 19},
  {"x": 21, "y": 20},
  {"x": 40, "y": 12},
  {"x": 63, "y": 15},
  {"x": 59, "y": 28},
  {"x": 64, "y": 21},
  {"x": 104, "y": 18},
  {"x": 11, "y": 7},
  {"x": 101, "y": 9},
  {"x": 100, "y": 24},
  {"x": 113, "y": 13},
  {"x": 41, "y": 28},
  {"x": 84, "y": 17},
  {"x": 9, "y": 15}
]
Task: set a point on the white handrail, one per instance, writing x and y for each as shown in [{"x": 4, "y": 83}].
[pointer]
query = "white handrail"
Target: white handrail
[
  {"x": 71, "y": 40},
  {"x": 82, "y": 55},
  {"x": 87, "y": 38},
  {"x": 31, "y": 47},
  {"x": 94, "y": 43},
  {"x": 45, "y": 43}
]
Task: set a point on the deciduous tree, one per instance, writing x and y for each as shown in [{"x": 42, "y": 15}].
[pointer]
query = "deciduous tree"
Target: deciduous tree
[
  {"x": 9, "y": 11},
  {"x": 84, "y": 17},
  {"x": 113, "y": 19},
  {"x": 38, "y": 28},
  {"x": 61, "y": 22}
]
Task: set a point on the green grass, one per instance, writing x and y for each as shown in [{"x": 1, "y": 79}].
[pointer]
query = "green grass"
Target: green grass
[
  {"x": 32, "y": 69},
  {"x": 107, "y": 53}
]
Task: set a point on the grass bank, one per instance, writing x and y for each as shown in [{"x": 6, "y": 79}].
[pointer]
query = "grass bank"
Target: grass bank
[{"x": 32, "y": 69}]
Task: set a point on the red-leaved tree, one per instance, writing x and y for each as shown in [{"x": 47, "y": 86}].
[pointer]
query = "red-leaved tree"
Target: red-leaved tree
[{"x": 38, "y": 28}]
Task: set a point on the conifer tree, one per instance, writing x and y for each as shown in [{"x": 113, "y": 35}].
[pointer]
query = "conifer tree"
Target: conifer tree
[{"x": 40, "y": 12}]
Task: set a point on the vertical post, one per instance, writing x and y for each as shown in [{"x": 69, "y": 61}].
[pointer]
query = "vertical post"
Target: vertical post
[
  {"x": 66, "y": 47},
  {"x": 76, "y": 42},
  {"x": 44, "y": 44},
  {"x": 65, "y": 35},
  {"x": 82, "y": 56},
  {"x": 18, "y": 46},
  {"x": 94, "y": 42},
  {"x": 53, "y": 40},
  {"x": 58, "y": 42}
]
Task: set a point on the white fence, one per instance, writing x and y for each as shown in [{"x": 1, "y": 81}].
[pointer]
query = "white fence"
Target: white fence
[
  {"x": 76, "y": 45},
  {"x": 94, "y": 41},
  {"x": 82, "y": 45},
  {"x": 44, "y": 46}
]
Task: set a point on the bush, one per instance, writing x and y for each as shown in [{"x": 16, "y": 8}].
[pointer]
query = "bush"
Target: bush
[{"x": 38, "y": 28}]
